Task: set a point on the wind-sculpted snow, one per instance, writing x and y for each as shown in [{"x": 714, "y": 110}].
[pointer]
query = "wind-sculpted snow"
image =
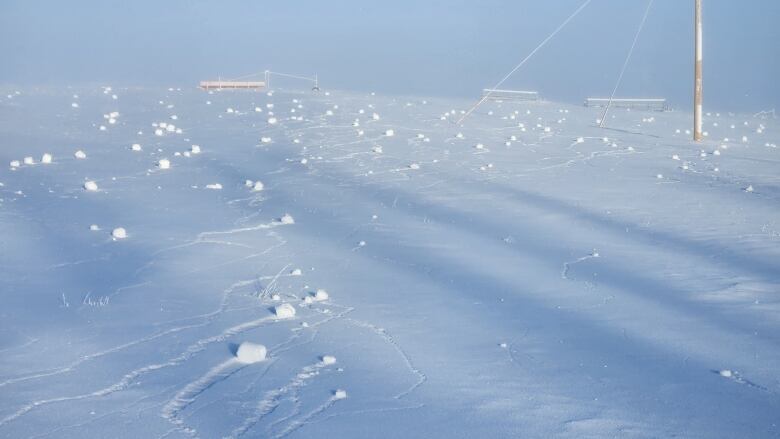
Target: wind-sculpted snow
[{"x": 179, "y": 263}]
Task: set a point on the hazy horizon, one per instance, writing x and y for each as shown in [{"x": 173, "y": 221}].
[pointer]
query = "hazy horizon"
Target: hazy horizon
[{"x": 433, "y": 49}]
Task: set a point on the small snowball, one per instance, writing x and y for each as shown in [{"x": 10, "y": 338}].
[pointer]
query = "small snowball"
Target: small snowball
[
  {"x": 328, "y": 360},
  {"x": 726, "y": 373},
  {"x": 214, "y": 186},
  {"x": 377, "y": 149},
  {"x": 136, "y": 147},
  {"x": 375, "y": 116},
  {"x": 90, "y": 186},
  {"x": 94, "y": 227},
  {"x": 249, "y": 353},
  {"x": 320, "y": 295},
  {"x": 284, "y": 311},
  {"x": 340, "y": 394},
  {"x": 287, "y": 219},
  {"x": 272, "y": 120},
  {"x": 265, "y": 139},
  {"x": 164, "y": 164},
  {"x": 195, "y": 149},
  {"x": 675, "y": 157},
  {"x": 46, "y": 158},
  {"x": 749, "y": 188},
  {"x": 15, "y": 163},
  {"x": 80, "y": 154},
  {"x": 389, "y": 133},
  {"x": 119, "y": 233},
  {"x": 29, "y": 161},
  {"x": 296, "y": 272},
  {"x": 414, "y": 166},
  {"x": 258, "y": 186}
]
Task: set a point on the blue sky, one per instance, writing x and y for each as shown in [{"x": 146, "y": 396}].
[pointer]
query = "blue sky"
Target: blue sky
[{"x": 403, "y": 47}]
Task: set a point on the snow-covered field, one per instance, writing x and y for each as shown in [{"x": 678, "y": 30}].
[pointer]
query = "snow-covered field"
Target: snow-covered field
[{"x": 237, "y": 264}]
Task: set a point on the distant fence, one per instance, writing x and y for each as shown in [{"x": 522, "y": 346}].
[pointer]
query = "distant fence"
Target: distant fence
[
  {"x": 509, "y": 95},
  {"x": 652, "y": 104},
  {"x": 252, "y": 85}
]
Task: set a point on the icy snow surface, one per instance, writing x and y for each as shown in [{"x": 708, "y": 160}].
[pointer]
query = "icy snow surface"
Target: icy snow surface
[{"x": 547, "y": 284}]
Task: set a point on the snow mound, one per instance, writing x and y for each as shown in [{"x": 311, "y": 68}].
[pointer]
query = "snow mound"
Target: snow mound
[
  {"x": 46, "y": 158},
  {"x": 265, "y": 139},
  {"x": 15, "y": 163},
  {"x": 284, "y": 311},
  {"x": 296, "y": 272},
  {"x": 94, "y": 227},
  {"x": 258, "y": 186},
  {"x": 80, "y": 154},
  {"x": 272, "y": 120},
  {"x": 340, "y": 394},
  {"x": 389, "y": 133},
  {"x": 328, "y": 360},
  {"x": 136, "y": 147},
  {"x": 249, "y": 353},
  {"x": 726, "y": 373},
  {"x": 287, "y": 219},
  {"x": 119, "y": 233},
  {"x": 90, "y": 186},
  {"x": 164, "y": 164},
  {"x": 29, "y": 161},
  {"x": 195, "y": 149},
  {"x": 216, "y": 186}
]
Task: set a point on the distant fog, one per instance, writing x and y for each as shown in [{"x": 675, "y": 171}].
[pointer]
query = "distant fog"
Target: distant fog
[{"x": 432, "y": 48}]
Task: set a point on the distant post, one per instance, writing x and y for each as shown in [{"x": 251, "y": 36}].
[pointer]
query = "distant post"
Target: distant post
[{"x": 697, "y": 93}]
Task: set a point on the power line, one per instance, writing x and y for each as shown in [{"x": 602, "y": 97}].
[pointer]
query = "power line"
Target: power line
[{"x": 533, "y": 52}]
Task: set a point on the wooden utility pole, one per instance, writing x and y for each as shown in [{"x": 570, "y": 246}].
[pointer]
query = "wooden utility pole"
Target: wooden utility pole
[{"x": 697, "y": 92}]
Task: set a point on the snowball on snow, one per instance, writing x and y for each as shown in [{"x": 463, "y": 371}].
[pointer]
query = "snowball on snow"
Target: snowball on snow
[
  {"x": 80, "y": 154},
  {"x": 340, "y": 394},
  {"x": 90, "y": 186},
  {"x": 287, "y": 219},
  {"x": 328, "y": 360},
  {"x": 296, "y": 272},
  {"x": 195, "y": 149},
  {"x": 94, "y": 227},
  {"x": 389, "y": 133},
  {"x": 214, "y": 186},
  {"x": 119, "y": 233},
  {"x": 320, "y": 295},
  {"x": 29, "y": 161},
  {"x": 284, "y": 311},
  {"x": 726, "y": 373},
  {"x": 164, "y": 164},
  {"x": 249, "y": 353},
  {"x": 414, "y": 166},
  {"x": 258, "y": 186},
  {"x": 46, "y": 158},
  {"x": 271, "y": 120},
  {"x": 136, "y": 147}
]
